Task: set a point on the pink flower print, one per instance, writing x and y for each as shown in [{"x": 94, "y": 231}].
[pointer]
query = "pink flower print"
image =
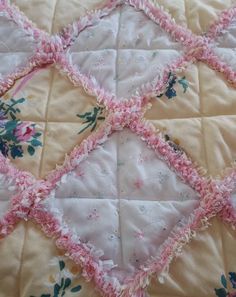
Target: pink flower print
[
  {"x": 100, "y": 62},
  {"x": 93, "y": 215},
  {"x": 138, "y": 184},
  {"x": 80, "y": 173},
  {"x": 142, "y": 22},
  {"x": 142, "y": 158},
  {"x": 139, "y": 234},
  {"x": 24, "y": 131}
]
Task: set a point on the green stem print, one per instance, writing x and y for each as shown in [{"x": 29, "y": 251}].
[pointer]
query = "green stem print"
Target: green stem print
[
  {"x": 63, "y": 285},
  {"x": 91, "y": 118},
  {"x": 14, "y": 133},
  {"x": 170, "y": 91}
]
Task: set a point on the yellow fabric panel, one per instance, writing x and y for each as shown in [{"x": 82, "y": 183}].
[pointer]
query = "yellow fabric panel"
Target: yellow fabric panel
[
  {"x": 52, "y": 102},
  {"x": 202, "y": 13},
  {"x": 200, "y": 119},
  {"x": 198, "y": 270},
  {"x": 53, "y": 16},
  {"x": 33, "y": 267},
  {"x": 38, "y": 267},
  {"x": 41, "y": 12},
  {"x": 11, "y": 250}
]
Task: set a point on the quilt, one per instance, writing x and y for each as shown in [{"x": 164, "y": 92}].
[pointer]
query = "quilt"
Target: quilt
[{"x": 117, "y": 148}]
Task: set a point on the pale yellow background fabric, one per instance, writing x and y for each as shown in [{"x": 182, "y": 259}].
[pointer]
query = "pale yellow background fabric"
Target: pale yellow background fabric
[
  {"x": 203, "y": 111},
  {"x": 53, "y": 104},
  {"x": 26, "y": 255},
  {"x": 202, "y": 121}
]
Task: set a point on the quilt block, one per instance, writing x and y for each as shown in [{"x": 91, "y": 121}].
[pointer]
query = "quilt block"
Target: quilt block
[{"x": 117, "y": 148}]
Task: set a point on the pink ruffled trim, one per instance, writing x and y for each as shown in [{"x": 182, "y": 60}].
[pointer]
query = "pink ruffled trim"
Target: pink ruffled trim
[
  {"x": 14, "y": 14},
  {"x": 21, "y": 180},
  {"x": 27, "y": 204},
  {"x": 53, "y": 49},
  {"x": 173, "y": 246},
  {"x": 224, "y": 20},
  {"x": 228, "y": 213},
  {"x": 178, "y": 161},
  {"x": 214, "y": 195},
  {"x": 82, "y": 254},
  {"x": 197, "y": 48},
  {"x": 69, "y": 34},
  {"x": 212, "y": 201}
]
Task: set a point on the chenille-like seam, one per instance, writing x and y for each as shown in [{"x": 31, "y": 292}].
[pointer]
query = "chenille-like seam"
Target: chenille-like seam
[{"x": 28, "y": 202}]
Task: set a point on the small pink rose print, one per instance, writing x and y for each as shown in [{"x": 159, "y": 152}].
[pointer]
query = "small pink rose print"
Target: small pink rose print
[
  {"x": 93, "y": 215},
  {"x": 13, "y": 131},
  {"x": 100, "y": 62},
  {"x": 24, "y": 131},
  {"x": 139, "y": 234},
  {"x": 142, "y": 158},
  {"x": 80, "y": 173},
  {"x": 138, "y": 183}
]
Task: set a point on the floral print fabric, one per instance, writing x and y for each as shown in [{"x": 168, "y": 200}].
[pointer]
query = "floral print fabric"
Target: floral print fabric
[{"x": 14, "y": 133}]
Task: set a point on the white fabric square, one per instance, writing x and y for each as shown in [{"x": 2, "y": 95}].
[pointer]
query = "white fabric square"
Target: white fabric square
[
  {"x": 140, "y": 51},
  {"x": 16, "y": 47},
  {"x": 7, "y": 190},
  {"x": 124, "y": 200}
]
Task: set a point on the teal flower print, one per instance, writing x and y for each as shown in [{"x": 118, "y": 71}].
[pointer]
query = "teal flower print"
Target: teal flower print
[
  {"x": 170, "y": 91},
  {"x": 63, "y": 285},
  {"x": 226, "y": 291}
]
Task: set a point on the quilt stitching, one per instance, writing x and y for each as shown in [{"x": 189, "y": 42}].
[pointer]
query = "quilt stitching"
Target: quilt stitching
[
  {"x": 46, "y": 122},
  {"x": 214, "y": 194},
  {"x": 51, "y": 227},
  {"x": 117, "y": 146},
  {"x": 199, "y": 44}
]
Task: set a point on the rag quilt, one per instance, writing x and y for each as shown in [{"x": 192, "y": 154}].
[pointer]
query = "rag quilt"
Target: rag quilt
[{"x": 117, "y": 148}]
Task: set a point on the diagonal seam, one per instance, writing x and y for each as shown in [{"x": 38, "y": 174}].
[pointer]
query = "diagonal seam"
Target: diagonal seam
[
  {"x": 21, "y": 258},
  {"x": 48, "y": 98}
]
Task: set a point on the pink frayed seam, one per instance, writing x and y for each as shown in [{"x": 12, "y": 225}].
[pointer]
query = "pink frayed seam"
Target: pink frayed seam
[
  {"x": 32, "y": 193},
  {"x": 53, "y": 49},
  {"x": 29, "y": 204}
]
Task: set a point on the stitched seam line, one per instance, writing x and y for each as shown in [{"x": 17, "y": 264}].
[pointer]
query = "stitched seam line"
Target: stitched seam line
[
  {"x": 186, "y": 12},
  {"x": 117, "y": 141},
  {"x": 21, "y": 258},
  {"x": 223, "y": 250},
  {"x": 48, "y": 98},
  {"x": 202, "y": 121},
  {"x": 54, "y": 15},
  {"x": 149, "y": 119},
  {"x": 46, "y": 123}
]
